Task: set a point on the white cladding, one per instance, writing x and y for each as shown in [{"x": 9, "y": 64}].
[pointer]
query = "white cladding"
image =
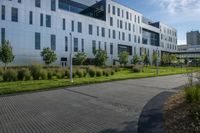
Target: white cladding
[{"x": 22, "y": 35}]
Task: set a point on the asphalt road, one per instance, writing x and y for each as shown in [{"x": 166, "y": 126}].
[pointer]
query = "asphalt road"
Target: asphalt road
[{"x": 112, "y": 107}]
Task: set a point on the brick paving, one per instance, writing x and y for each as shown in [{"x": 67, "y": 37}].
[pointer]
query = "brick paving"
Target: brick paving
[{"x": 112, "y": 107}]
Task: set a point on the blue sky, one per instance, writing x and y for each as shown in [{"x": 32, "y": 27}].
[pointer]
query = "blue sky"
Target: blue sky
[{"x": 184, "y": 15}]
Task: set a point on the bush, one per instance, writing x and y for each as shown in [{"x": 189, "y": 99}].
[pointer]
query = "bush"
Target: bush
[
  {"x": 192, "y": 94},
  {"x": 50, "y": 75},
  {"x": 106, "y": 72},
  {"x": 136, "y": 68},
  {"x": 43, "y": 74},
  {"x": 36, "y": 71},
  {"x": 116, "y": 68},
  {"x": 84, "y": 73},
  {"x": 24, "y": 74},
  {"x": 92, "y": 72},
  {"x": 10, "y": 75},
  {"x": 67, "y": 73},
  {"x": 112, "y": 72},
  {"x": 60, "y": 73},
  {"x": 79, "y": 73},
  {"x": 99, "y": 73},
  {"x": 1, "y": 71}
]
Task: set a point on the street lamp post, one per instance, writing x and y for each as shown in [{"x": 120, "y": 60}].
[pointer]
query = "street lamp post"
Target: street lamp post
[{"x": 71, "y": 60}]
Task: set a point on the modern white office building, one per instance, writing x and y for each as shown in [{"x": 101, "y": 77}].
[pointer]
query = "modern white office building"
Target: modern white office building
[{"x": 86, "y": 25}]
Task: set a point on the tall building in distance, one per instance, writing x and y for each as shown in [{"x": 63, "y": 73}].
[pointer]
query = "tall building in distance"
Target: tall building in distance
[
  {"x": 193, "y": 38},
  {"x": 83, "y": 26}
]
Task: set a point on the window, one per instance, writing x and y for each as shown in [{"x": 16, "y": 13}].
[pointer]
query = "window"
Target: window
[
  {"x": 117, "y": 23},
  {"x": 113, "y": 10},
  {"x": 82, "y": 44},
  {"x": 63, "y": 24},
  {"x": 41, "y": 19},
  {"x": 123, "y": 36},
  {"x": 53, "y": 42},
  {"x": 138, "y": 19},
  {"x": 2, "y": 35},
  {"x": 93, "y": 46},
  {"x": 111, "y": 21},
  {"x": 118, "y": 12},
  {"x": 90, "y": 29},
  {"x": 19, "y": 1},
  {"x": 75, "y": 44},
  {"x": 105, "y": 46},
  {"x": 109, "y": 34},
  {"x": 72, "y": 25},
  {"x": 114, "y": 34},
  {"x": 3, "y": 12},
  {"x": 97, "y": 30},
  {"x": 111, "y": 48},
  {"x": 138, "y": 39},
  {"x": 129, "y": 37},
  {"x": 135, "y": 39},
  {"x": 30, "y": 17},
  {"x": 103, "y": 32},
  {"x": 121, "y": 24},
  {"x": 53, "y": 5},
  {"x": 129, "y": 26},
  {"x": 14, "y": 14},
  {"x": 79, "y": 27},
  {"x": 37, "y": 41},
  {"x": 119, "y": 35},
  {"x": 109, "y": 8},
  {"x": 66, "y": 43},
  {"x": 37, "y": 3},
  {"x": 48, "y": 21},
  {"x": 99, "y": 45},
  {"x": 127, "y": 15}
]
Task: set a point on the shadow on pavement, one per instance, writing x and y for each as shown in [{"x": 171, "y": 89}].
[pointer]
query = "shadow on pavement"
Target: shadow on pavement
[{"x": 151, "y": 119}]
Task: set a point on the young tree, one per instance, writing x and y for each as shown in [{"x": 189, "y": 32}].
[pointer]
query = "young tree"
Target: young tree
[
  {"x": 123, "y": 57},
  {"x": 48, "y": 56},
  {"x": 80, "y": 58},
  {"x": 173, "y": 58},
  {"x": 145, "y": 59},
  {"x": 6, "y": 54},
  {"x": 164, "y": 58},
  {"x": 136, "y": 59},
  {"x": 100, "y": 57},
  {"x": 154, "y": 58}
]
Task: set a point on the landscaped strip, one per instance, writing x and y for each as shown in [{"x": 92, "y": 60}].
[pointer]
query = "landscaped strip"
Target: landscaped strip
[{"x": 35, "y": 85}]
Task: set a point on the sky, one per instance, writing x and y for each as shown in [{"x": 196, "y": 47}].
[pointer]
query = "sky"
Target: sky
[{"x": 184, "y": 15}]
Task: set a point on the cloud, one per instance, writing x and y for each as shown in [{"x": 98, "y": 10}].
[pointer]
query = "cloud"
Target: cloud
[{"x": 179, "y": 6}]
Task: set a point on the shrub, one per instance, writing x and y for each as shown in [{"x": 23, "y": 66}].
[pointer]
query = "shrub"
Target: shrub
[
  {"x": 99, "y": 73},
  {"x": 36, "y": 71},
  {"x": 1, "y": 71},
  {"x": 192, "y": 94},
  {"x": 67, "y": 73},
  {"x": 116, "y": 68},
  {"x": 24, "y": 74},
  {"x": 43, "y": 74},
  {"x": 106, "y": 72},
  {"x": 50, "y": 75},
  {"x": 136, "y": 68},
  {"x": 84, "y": 73},
  {"x": 79, "y": 73},
  {"x": 60, "y": 73},
  {"x": 92, "y": 72},
  {"x": 112, "y": 72},
  {"x": 10, "y": 75}
]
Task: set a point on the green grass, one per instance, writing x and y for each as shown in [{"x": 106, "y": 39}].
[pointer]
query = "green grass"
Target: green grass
[{"x": 34, "y": 85}]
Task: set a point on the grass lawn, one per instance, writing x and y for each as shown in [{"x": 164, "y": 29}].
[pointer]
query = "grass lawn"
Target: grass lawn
[{"x": 33, "y": 85}]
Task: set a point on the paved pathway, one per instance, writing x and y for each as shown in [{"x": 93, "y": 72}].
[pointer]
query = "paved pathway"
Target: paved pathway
[{"x": 112, "y": 107}]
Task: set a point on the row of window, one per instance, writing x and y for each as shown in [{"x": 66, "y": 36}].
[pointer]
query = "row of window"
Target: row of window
[
  {"x": 126, "y": 25},
  {"x": 120, "y": 13}
]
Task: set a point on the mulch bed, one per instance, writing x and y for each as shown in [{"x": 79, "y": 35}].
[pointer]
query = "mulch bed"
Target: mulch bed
[{"x": 179, "y": 115}]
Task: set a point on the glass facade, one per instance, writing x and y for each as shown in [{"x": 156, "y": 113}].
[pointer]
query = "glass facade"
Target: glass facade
[
  {"x": 122, "y": 48},
  {"x": 97, "y": 10},
  {"x": 72, "y": 6},
  {"x": 150, "y": 38}
]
